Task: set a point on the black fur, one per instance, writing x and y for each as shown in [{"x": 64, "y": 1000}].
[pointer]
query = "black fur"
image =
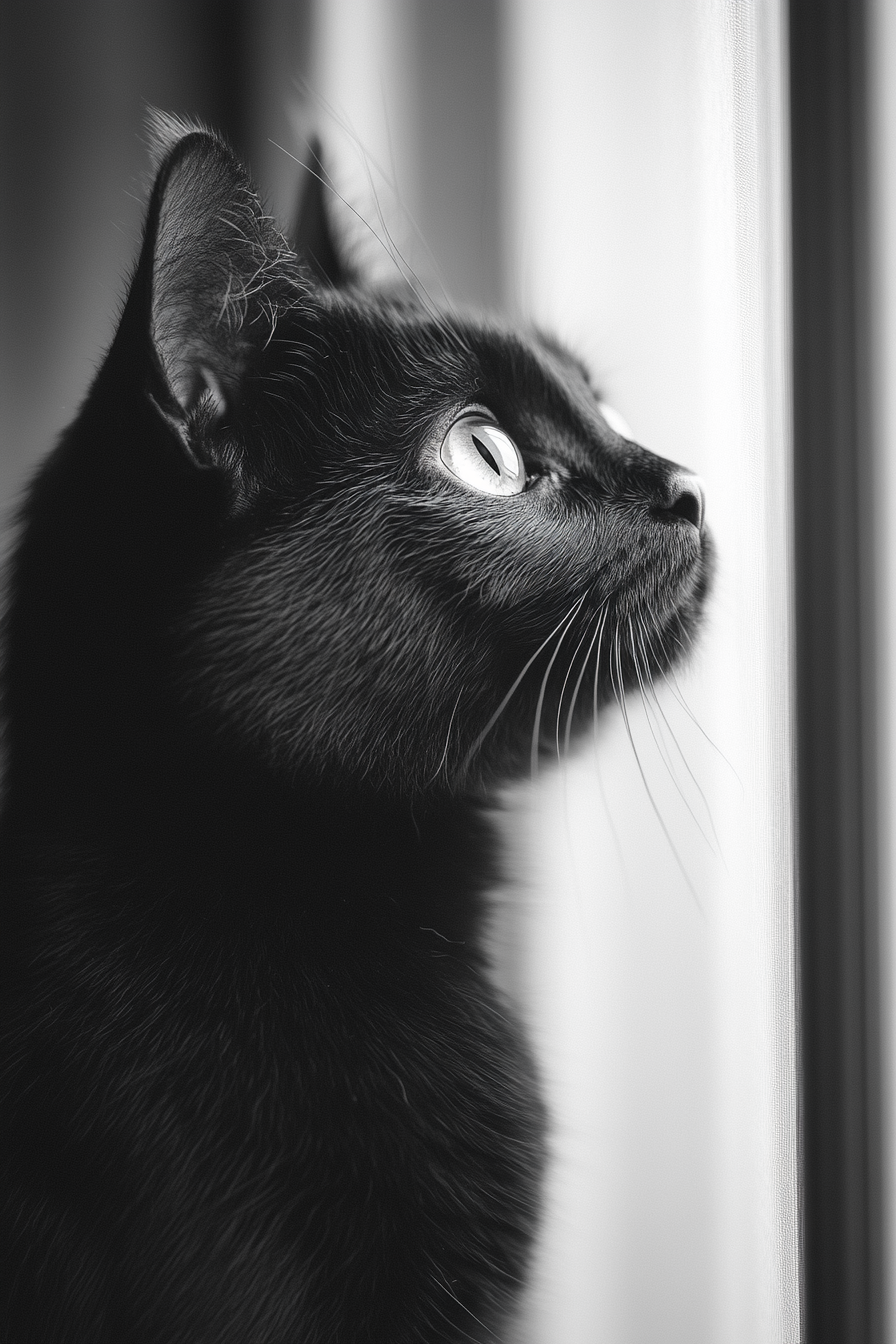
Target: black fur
[{"x": 258, "y": 1088}]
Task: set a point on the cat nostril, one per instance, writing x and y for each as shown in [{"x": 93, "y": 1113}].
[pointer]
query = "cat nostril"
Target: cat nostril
[
  {"x": 689, "y": 506},
  {"x": 685, "y": 499}
]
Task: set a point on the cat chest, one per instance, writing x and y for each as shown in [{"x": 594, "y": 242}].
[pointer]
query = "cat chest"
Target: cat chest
[{"x": 286, "y": 1138}]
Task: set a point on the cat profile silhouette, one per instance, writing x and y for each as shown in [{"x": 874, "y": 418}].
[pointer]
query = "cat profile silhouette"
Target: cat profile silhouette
[{"x": 312, "y": 573}]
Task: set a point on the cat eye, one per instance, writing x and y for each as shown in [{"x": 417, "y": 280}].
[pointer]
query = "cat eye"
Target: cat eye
[{"x": 481, "y": 455}]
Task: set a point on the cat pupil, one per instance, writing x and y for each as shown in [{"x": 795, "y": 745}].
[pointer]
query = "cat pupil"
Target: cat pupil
[{"x": 486, "y": 455}]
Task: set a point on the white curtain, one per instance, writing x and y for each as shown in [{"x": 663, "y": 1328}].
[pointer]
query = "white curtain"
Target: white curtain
[
  {"x": 648, "y": 936},
  {"x": 647, "y": 213}
]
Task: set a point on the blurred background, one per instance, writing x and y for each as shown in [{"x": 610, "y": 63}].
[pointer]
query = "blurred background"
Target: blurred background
[{"x": 618, "y": 173}]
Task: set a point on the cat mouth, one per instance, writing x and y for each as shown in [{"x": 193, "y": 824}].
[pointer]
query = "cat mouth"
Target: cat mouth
[{"x": 665, "y": 581}]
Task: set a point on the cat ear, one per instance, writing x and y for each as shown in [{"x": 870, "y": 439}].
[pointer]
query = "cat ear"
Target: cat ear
[
  {"x": 313, "y": 236},
  {"x": 213, "y": 274}
]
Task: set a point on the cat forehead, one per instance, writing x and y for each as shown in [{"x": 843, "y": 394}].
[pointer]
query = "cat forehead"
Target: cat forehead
[
  {"x": 462, "y": 353},
  {"x": 571, "y": 364}
]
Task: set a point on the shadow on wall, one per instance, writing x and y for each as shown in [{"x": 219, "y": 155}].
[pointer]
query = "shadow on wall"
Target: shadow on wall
[{"x": 76, "y": 82}]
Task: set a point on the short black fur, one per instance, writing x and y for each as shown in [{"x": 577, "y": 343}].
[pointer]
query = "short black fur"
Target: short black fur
[{"x": 257, "y": 1085}]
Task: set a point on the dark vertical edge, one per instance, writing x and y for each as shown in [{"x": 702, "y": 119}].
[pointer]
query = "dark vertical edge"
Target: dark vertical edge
[
  {"x": 224, "y": 26},
  {"x": 75, "y": 83},
  {"x": 457, "y": 58},
  {"x": 276, "y": 69},
  {"x": 835, "y": 674}
]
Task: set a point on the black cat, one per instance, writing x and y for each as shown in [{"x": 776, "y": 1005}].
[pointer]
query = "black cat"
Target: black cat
[{"x": 307, "y": 576}]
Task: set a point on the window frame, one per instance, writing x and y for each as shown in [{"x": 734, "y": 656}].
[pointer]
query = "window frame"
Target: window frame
[{"x": 836, "y": 701}]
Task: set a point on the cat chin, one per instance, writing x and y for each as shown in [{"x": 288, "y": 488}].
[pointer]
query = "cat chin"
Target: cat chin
[
  {"x": 382, "y": 732},
  {"x": 654, "y": 607}
]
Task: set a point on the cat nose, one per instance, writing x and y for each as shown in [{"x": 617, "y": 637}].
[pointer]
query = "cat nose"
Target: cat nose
[{"x": 686, "y": 496}]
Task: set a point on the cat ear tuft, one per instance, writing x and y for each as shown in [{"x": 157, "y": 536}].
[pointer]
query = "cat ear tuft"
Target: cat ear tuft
[
  {"x": 215, "y": 271},
  {"x": 313, "y": 236},
  {"x": 165, "y": 129}
]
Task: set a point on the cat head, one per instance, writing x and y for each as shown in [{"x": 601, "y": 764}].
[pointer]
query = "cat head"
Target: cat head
[{"x": 400, "y": 544}]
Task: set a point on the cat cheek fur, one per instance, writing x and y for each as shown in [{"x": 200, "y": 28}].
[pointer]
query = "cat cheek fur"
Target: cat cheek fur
[{"x": 265, "y": 664}]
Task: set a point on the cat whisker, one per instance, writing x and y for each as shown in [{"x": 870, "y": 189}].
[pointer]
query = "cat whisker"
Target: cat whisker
[
  {"x": 617, "y": 844},
  {"x": 649, "y": 690},
  {"x": 399, "y": 258},
  {"x": 392, "y": 253},
  {"x": 391, "y": 181},
  {"x": 444, "y": 759},
  {"x": 596, "y": 687},
  {"x": 274, "y": 320},
  {"x": 669, "y": 677},
  {"x": 660, "y": 743},
  {"x": 310, "y": 94},
  {"x": 443, "y": 1316},
  {"x": 455, "y": 336},
  {"x": 400, "y": 261},
  {"x": 581, "y": 641},
  {"x": 600, "y": 622},
  {"x": 544, "y": 683},
  {"x": 570, "y": 615},
  {"x": 679, "y": 696},
  {"x": 446, "y": 1287},
  {"x": 628, "y": 729},
  {"x": 641, "y": 675}
]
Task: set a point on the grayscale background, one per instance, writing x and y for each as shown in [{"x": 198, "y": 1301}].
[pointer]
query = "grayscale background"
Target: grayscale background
[{"x": 615, "y": 171}]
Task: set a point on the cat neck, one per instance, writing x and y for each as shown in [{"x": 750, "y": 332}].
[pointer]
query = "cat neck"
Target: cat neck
[
  {"x": 242, "y": 840},
  {"x": 102, "y": 756}
]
